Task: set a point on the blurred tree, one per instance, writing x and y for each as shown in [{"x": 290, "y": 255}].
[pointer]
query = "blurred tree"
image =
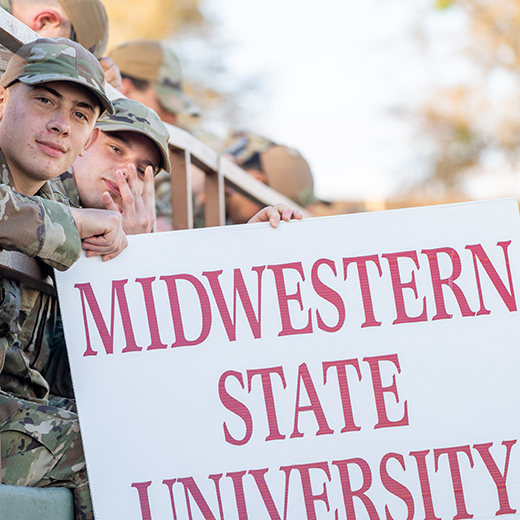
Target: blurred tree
[
  {"x": 467, "y": 124},
  {"x": 153, "y": 19}
]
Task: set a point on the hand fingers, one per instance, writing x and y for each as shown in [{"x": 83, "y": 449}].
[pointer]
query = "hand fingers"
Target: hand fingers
[
  {"x": 110, "y": 204},
  {"x": 128, "y": 198},
  {"x": 112, "y": 73},
  {"x": 96, "y": 246},
  {"x": 149, "y": 188},
  {"x": 123, "y": 246},
  {"x": 112, "y": 254},
  {"x": 274, "y": 217},
  {"x": 284, "y": 211},
  {"x": 132, "y": 180},
  {"x": 138, "y": 200}
]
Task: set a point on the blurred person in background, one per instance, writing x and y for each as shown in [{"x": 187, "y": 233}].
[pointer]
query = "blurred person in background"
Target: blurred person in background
[
  {"x": 279, "y": 167},
  {"x": 151, "y": 74},
  {"x": 83, "y": 21}
]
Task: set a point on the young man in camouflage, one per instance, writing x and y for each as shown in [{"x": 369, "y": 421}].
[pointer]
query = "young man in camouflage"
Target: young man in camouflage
[
  {"x": 118, "y": 170},
  {"x": 50, "y": 98}
]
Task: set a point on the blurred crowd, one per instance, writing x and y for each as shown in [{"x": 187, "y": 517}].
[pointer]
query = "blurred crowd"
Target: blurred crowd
[{"x": 151, "y": 73}]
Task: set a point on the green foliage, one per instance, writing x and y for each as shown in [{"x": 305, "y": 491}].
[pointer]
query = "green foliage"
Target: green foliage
[{"x": 443, "y": 4}]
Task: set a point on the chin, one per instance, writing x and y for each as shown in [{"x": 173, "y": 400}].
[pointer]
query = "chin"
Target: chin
[{"x": 97, "y": 204}]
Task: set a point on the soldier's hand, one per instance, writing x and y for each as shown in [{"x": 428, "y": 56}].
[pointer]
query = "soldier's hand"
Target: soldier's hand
[
  {"x": 274, "y": 214},
  {"x": 138, "y": 209},
  {"x": 101, "y": 232},
  {"x": 112, "y": 73}
]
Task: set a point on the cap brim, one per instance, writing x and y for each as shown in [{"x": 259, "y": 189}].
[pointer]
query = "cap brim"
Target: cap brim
[{"x": 36, "y": 79}]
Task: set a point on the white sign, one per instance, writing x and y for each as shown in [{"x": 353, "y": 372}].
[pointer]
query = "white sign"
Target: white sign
[{"x": 353, "y": 367}]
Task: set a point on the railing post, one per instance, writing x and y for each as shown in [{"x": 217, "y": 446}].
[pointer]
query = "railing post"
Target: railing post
[
  {"x": 215, "y": 210},
  {"x": 181, "y": 197}
]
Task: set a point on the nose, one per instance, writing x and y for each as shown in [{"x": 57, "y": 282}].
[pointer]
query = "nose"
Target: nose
[{"x": 60, "y": 122}]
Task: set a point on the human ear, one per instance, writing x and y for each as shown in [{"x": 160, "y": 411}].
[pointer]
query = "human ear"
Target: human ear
[
  {"x": 128, "y": 87},
  {"x": 91, "y": 140},
  {"x": 3, "y": 100},
  {"x": 48, "y": 19}
]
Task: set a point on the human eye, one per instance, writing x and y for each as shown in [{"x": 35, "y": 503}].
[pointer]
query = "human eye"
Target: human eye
[
  {"x": 140, "y": 171},
  {"x": 81, "y": 116},
  {"x": 44, "y": 100},
  {"x": 116, "y": 149}
]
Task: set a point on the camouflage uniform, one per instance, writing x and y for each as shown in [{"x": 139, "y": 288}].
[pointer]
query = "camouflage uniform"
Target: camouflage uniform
[
  {"x": 129, "y": 116},
  {"x": 40, "y": 443}
]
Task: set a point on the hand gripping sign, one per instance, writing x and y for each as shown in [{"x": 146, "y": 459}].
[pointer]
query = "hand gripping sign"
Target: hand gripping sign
[{"x": 352, "y": 367}]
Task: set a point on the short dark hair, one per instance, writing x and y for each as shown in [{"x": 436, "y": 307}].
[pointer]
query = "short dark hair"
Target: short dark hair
[{"x": 253, "y": 163}]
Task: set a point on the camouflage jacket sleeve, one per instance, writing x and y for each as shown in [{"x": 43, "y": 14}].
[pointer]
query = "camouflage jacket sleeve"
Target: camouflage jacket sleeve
[{"x": 39, "y": 228}]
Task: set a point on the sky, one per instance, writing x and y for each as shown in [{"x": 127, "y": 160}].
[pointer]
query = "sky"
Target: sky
[{"x": 340, "y": 80}]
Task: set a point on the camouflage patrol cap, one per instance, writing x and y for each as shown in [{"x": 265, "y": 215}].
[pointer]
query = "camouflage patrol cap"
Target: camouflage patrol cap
[
  {"x": 284, "y": 168},
  {"x": 57, "y": 59},
  {"x": 133, "y": 116},
  {"x": 243, "y": 145},
  {"x": 89, "y": 22},
  {"x": 155, "y": 62},
  {"x": 289, "y": 173}
]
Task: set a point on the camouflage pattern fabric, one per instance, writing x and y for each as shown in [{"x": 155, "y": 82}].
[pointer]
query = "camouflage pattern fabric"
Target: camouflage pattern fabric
[
  {"x": 41, "y": 447},
  {"x": 163, "y": 197},
  {"x": 57, "y": 59},
  {"x": 40, "y": 443},
  {"x": 243, "y": 145},
  {"x": 66, "y": 185},
  {"x": 42, "y": 228},
  {"x": 37, "y": 226},
  {"x": 169, "y": 88}
]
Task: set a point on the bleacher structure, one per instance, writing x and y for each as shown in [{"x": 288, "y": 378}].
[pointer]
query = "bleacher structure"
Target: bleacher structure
[{"x": 20, "y": 503}]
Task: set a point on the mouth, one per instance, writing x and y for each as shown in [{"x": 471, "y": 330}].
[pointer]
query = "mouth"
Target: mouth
[
  {"x": 112, "y": 188},
  {"x": 51, "y": 148}
]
